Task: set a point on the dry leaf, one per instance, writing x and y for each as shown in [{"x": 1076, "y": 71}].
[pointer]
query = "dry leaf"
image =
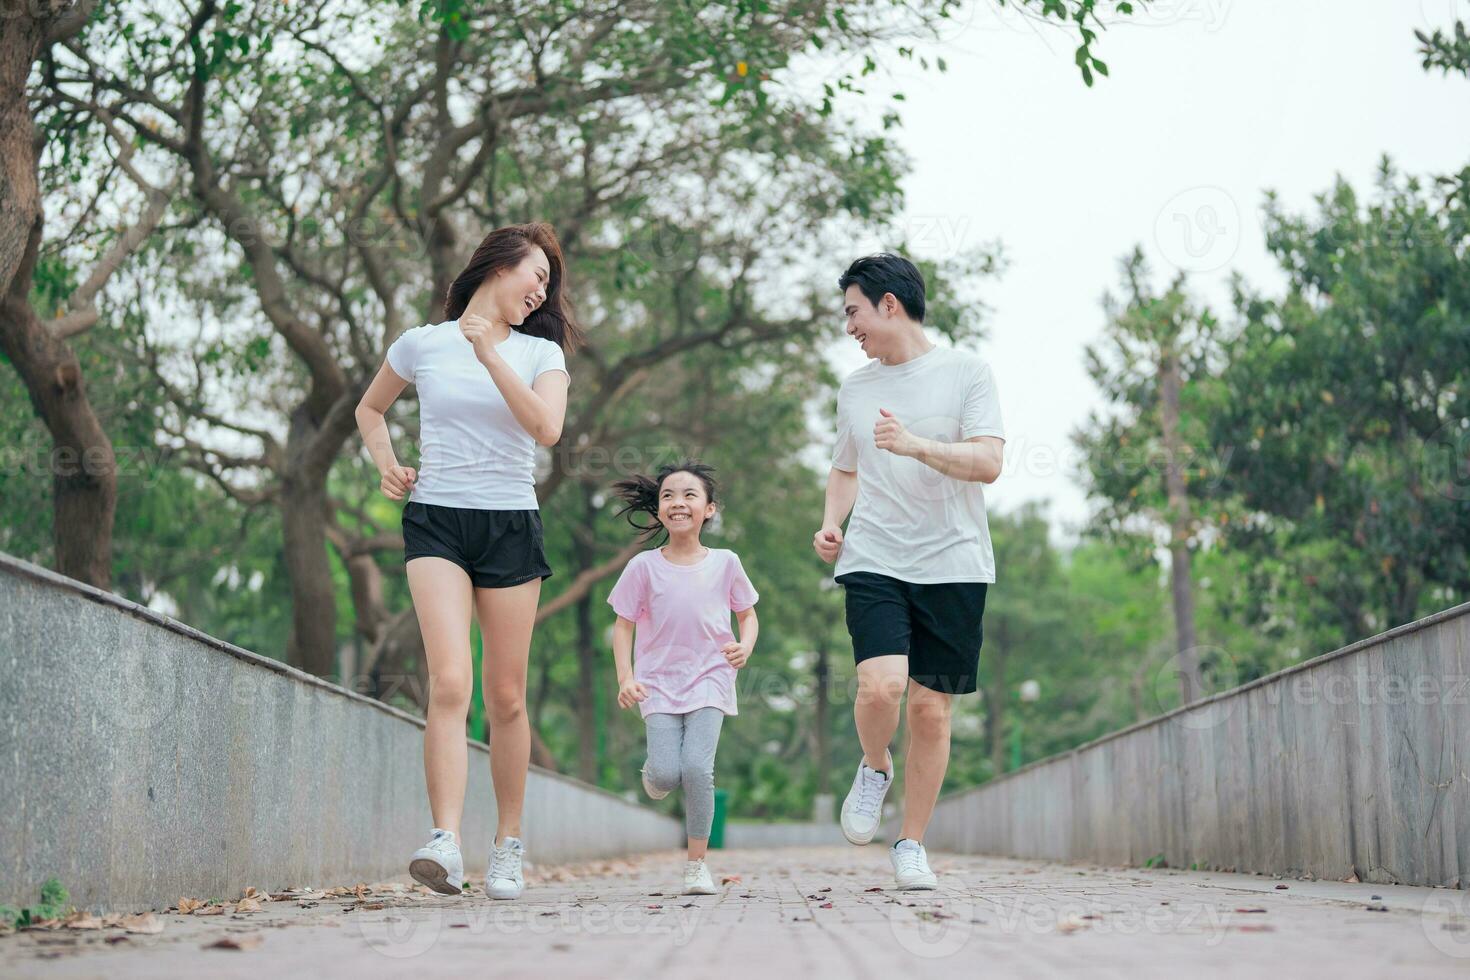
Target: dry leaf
[
  {"x": 730, "y": 880},
  {"x": 187, "y": 905},
  {"x": 237, "y": 942},
  {"x": 1352, "y": 879},
  {"x": 1249, "y": 911},
  {"x": 83, "y": 920},
  {"x": 210, "y": 910},
  {"x": 147, "y": 923},
  {"x": 1071, "y": 924},
  {"x": 247, "y": 905}
]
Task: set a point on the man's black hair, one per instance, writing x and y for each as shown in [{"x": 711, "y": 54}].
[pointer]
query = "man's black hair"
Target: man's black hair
[{"x": 883, "y": 273}]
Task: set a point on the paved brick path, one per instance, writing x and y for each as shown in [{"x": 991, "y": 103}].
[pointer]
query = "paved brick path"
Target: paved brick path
[{"x": 807, "y": 914}]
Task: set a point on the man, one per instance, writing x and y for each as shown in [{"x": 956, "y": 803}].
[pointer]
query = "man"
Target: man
[{"x": 918, "y": 433}]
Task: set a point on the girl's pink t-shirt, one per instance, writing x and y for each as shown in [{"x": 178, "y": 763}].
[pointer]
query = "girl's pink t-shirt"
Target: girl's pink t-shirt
[{"x": 682, "y": 614}]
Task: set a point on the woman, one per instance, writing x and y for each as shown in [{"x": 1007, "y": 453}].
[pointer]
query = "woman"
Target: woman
[{"x": 492, "y": 383}]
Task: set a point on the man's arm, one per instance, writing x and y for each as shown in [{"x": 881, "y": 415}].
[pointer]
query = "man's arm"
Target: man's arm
[
  {"x": 842, "y": 487},
  {"x": 976, "y": 460}
]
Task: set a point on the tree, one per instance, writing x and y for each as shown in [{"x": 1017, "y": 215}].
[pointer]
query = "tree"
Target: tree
[
  {"x": 1345, "y": 400},
  {"x": 1149, "y": 462}
]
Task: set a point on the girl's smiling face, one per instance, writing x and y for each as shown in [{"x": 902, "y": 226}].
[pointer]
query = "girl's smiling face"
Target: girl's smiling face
[{"x": 683, "y": 503}]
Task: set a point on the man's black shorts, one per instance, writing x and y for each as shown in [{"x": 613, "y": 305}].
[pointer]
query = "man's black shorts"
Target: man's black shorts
[
  {"x": 496, "y": 548},
  {"x": 938, "y": 626}
]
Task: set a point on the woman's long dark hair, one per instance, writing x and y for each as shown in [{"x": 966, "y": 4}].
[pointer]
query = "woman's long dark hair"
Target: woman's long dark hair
[
  {"x": 504, "y": 248},
  {"x": 640, "y": 494}
]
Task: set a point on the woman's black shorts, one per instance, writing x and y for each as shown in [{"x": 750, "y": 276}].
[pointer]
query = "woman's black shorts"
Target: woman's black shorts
[
  {"x": 496, "y": 548},
  {"x": 938, "y": 627}
]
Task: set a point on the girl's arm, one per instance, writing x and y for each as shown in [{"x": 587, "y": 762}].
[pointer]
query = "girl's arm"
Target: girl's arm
[
  {"x": 736, "y": 654},
  {"x": 630, "y": 692},
  {"x": 372, "y": 422}
]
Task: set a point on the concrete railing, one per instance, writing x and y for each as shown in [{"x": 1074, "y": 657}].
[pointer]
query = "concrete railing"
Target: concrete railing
[
  {"x": 1356, "y": 762},
  {"x": 144, "y": 760}
]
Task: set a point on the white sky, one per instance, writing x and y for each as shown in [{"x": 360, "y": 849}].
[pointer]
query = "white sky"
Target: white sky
[{"x": 1210, "y": 103}]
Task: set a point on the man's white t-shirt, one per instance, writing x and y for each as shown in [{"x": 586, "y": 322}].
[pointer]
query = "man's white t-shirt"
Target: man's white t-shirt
[
  {"x": 910, "y": 521},
  {"x": 472, "y": 451}
]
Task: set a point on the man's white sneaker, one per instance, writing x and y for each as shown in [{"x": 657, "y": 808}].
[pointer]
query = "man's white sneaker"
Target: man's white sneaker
[
  {"x": 911, "y": 866},
  {"x": 862, "y": 811},
  {"x": 697, "y": 880},
  {"x": 505, "y": 879},
  {"x": 654, "y": 793},
  {"x": 438, "y": 864}
]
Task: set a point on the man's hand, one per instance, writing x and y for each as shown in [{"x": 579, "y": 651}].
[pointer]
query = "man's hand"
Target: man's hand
[
  {"x": 889, "y": 434},
  {"x": 397, "y": 480},
  {"x": 630, "y": 693},
  {"x": 828, "y": 542},
  {"x": 476, "y": 330},
  {"x": 735, "y": 654}
]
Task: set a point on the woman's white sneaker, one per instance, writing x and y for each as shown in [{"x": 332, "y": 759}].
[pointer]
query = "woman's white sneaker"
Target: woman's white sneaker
[
  {"x": 911, "y": 866},
  {"x": 505, "y": 880},
  {"x": 439, "y": 864},
  {"x": 862, "y": 811},
  {"x": 697, "y": 880}
]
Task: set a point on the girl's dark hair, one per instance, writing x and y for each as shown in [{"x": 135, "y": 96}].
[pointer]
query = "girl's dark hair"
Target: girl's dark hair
[
  {"x": 640, "y": 493},
  {"x": 504, "y": 248},
  {"x": 877, "y": 275}
]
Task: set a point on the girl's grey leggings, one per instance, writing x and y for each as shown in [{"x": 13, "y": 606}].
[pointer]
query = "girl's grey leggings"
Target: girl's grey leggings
[{"x": 681, "y": 749}]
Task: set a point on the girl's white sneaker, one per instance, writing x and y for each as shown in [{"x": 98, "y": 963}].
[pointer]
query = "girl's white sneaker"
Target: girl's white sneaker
[
  {"x": 505, "y": 880},
  {"x": 439, "y": 864},
  {"x": 697, "y": 880},
  {"x": 654, "y": 793}
]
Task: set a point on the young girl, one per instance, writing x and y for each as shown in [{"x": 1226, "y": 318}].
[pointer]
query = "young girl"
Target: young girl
[{"x": 679, "y": 598}]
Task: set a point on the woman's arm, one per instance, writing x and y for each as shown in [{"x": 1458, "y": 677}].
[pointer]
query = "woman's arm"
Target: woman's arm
[
  {"x": 540, "y": 408},
  {"x": 372, "y": 422}
]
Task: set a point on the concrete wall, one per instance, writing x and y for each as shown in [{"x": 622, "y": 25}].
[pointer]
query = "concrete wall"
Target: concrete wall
[
  {"x": 1355, "y": 762},
  {"x": 143, "y": 760},
  {"x": 739, "y": 834}
]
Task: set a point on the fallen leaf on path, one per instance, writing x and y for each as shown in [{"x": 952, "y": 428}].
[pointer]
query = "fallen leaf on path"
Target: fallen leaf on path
[
  {"x": 237, "y": 942},
  {"x": 247, "y": 905},
  {"x": 146, "y": 924},
  {"x": 1252, "y": 911},
  {"x": 210, "y": 910},
  {"x": 1352, "y": 879},
  {"x": 187, "y": 905},
  {"x": 1255, "y": 927},
  {"x": 875, "y": 888},
  {"x": 83, "y": 920},
  {"x": 825, "y": 905},
  {"x": 730, "y": 880}
]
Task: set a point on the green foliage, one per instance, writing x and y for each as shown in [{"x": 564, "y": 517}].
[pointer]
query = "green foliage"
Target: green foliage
[{"x": 53, "y": 905}]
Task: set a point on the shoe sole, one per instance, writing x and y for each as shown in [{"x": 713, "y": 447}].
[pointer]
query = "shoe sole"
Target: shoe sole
[
  {"x": 923, "y": 886},
  {"x": 500, "y": 897},
  {"x": 434, "y": 875}
]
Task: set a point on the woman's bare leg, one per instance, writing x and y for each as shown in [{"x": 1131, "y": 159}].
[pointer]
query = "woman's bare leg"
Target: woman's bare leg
[
  {"x": 442, "y": 600},
  {"x": 507, "y": 617}
]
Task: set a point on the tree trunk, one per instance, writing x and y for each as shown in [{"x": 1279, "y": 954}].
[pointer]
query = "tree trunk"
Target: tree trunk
[
  {"x": 83, "y": 464},
  {"x": 20, "y": 197},
  {"x": 1179, "y": 529},
  {"x": 995, "y": 700},
  {"x": 823, "y": 673},
  {"x": 587, "y": 680},
  {"x": 303, "y": 503}
]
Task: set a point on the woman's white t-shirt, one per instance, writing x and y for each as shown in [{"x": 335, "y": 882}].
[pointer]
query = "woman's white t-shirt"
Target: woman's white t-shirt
[{"x": 472, "y": 451}]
